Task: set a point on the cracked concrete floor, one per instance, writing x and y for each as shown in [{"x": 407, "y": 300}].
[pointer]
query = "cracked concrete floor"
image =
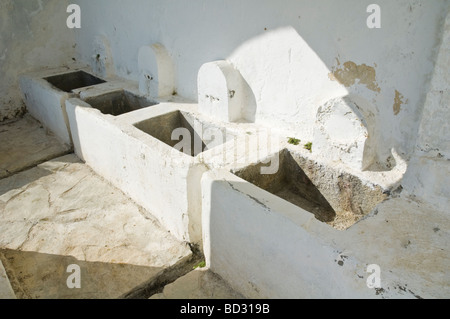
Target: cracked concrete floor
[
  {"x": 60, "y": 213},
  {"x": 25, "y": 143}
]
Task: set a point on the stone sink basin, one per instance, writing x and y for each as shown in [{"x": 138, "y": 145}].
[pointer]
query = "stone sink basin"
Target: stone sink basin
[
  {"x": 118, "y": 102},
  {"x": 68, "y": 82}
]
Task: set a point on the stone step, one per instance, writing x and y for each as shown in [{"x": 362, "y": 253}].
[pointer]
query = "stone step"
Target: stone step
[
  {"x": 25, "y": 143},
  {"x": 200, "y": 283}
]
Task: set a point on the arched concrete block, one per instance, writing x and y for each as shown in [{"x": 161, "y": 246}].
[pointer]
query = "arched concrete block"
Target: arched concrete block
[
  {"x": 341, "y": 133},
  {"x": 222, "y": 91},
  {"x": 157, "y": 75},
  {"x": 102, "y": 61}
]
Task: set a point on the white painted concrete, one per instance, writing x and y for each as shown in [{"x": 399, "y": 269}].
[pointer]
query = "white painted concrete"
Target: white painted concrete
[
  {"x": 374, "y": 102},
  {"x": 134, "y": 162},
  {"x": 158, "y": 177},
  {"x": 102, "y": 60},
  {"x": 33, "y": 34},
  {"x": 429, "y": 170},
  {"x": 157, "y": 77},
  {"x": 341, "y": 133},
  {"x": 223, "y": 93},
  {"x": 286, "y": 52},
  {"x": 266, "y": 247},
  {"x": 46, "y": 103}
]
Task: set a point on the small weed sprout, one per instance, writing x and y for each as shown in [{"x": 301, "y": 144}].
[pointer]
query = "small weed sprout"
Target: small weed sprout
[
  {"x": 293, "y": 141},
  {"x": 308, "y": 146},
  {"x": 201, "y": 264}
]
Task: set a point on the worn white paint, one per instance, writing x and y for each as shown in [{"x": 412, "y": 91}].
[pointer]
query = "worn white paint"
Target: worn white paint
[
  {"x": 33, "y": 34},
  {"x": 101, "y": 61},
  {"x": 266, "y": 247},
  {"x": 163, "y": 180},
  {"x": 427, "y": 177},
  {"x": 360, "y": 95},
  {"x": 222, "y": 92},
  {"x": 341, "y": 133},
  {"x": 46, "y": 103},
  {"x": 134, "y": 162},
  {"x": 156, "y": 72},
  {"x": 158, "y": 177},
  {"x": 285, "y": 53}
]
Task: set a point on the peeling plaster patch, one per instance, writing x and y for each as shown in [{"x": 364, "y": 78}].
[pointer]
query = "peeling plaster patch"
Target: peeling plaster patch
[
  {"x": 350, "y": 72},
  {"x": 398, "y": 102}
]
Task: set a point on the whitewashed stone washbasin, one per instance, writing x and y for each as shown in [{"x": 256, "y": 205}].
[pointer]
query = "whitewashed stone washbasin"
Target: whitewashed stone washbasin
[
  {"x": 156, "y": 155},
  {"x": 45, "y": 93},
  {"x": 307, "y": 231}
]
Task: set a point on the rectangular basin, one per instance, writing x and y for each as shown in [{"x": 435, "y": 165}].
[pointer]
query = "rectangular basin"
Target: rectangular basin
[
  {"x": 185, "y": 132},
  {"x": 336, "y": 198},
  {"x": 118, "y": 102},
  {"x": 74, "y": 80},
  {"x": 163, "y": 180}
]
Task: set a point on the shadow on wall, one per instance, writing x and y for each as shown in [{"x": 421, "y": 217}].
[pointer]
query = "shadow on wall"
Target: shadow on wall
[
  {"x": 298, "y": 90},
  {"x": 295, "y": 57},
  {"x": 292, "y": 77},
  {"x": 327, "y": 51}
]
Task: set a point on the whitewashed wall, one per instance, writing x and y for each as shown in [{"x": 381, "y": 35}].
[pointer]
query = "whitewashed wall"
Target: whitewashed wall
[
  {"x": 33, "y": 35},
  {"x": 291, "y": 53},
  {"x": 286, "y": 51},
  {"x": 427, "y": 176}
]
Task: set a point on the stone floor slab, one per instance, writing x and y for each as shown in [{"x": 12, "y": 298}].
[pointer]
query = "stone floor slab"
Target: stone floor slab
[
  {"x": 198, "y": 284},
  {"x": 61, "y": 213},
  {"x": 6, "y": 291},
  {"x": 25, "y": 143}
]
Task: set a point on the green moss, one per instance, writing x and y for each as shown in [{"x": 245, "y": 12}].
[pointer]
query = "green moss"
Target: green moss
[
  {"x": 308, "y": 146},
  {"x": 201, "y": 264},
  {"x": 293, "y": 141}
]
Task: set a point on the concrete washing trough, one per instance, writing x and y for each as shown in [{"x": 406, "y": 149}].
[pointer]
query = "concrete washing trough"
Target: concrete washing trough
[
  {"x": 314, "y": 230},
  {"x": 46, "y": 91},
  {"x": 332, "y": 196},
  {"x": 198, "y": 136},
  {"x": 118, "y": 102},
  {"x": 160, "y": 153},
  {"x": 68, "y": 82}
]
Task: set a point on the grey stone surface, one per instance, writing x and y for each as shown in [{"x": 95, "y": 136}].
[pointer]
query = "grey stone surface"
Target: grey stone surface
[
  {"x": 25, "y": 143},
  {"x": 6, "y": 291},
  {"x": 198, "y": 284},
  {"x": 61, "y": 213}
]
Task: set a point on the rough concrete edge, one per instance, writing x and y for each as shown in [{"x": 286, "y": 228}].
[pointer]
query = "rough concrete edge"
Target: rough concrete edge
[
  {"x": 36, "y": 163},
  {"x": 66, "y": 150},
  {"x": 12, "y": 283},
  {"x": 157, "y": 283},
  {"x": 6, "y": 290},
  {"x": 203, "y": 274}
]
